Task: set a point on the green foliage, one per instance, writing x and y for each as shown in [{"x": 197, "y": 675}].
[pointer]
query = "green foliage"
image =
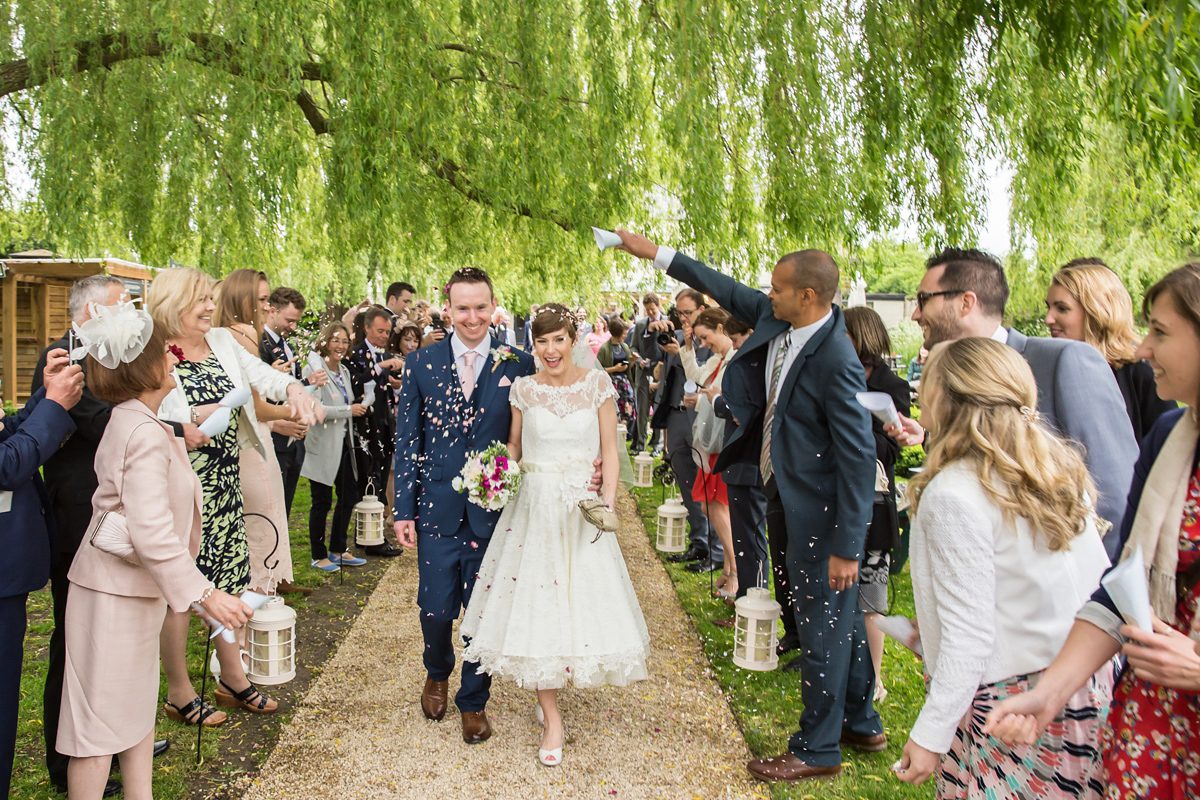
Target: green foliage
[
  {"x": 907, "y": 340},
  {"x": 344, "y": 144},
  {"x": 910, "y": 457}
]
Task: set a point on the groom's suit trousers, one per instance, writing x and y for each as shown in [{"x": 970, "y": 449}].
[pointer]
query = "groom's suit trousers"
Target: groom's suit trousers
[{"x": 448, "y": 566}]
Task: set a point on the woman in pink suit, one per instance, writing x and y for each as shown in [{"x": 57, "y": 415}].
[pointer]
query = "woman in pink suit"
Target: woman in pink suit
[{"x": 116, "y": 604}]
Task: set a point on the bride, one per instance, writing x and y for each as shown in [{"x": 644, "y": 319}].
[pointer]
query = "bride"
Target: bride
[{"x": 553, "y": 603}]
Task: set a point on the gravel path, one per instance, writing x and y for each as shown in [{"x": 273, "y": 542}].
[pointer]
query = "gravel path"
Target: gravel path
[{"x": 360, "y": 732}]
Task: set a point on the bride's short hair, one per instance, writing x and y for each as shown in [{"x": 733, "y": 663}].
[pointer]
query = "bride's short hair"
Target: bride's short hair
[{"x": 553, "y": 317}]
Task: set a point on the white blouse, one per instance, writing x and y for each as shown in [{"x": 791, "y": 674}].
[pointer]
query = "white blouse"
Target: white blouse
[{"x": 992, "y": 604}]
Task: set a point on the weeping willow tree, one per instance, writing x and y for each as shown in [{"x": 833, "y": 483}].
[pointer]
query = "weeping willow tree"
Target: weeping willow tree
[{"x": 338, "y": 140}]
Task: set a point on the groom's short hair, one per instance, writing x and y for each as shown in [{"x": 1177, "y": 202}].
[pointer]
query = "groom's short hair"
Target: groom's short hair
[{"x": 470, "y": 275}]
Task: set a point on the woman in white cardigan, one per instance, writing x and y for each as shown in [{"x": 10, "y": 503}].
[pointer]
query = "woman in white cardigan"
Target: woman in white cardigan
[
  {"x": 709, "y": 488},
  {"x": 1004, "y": 552},
  {"x": 329, "y": 453},
  {"x": 212, "y": 363}
]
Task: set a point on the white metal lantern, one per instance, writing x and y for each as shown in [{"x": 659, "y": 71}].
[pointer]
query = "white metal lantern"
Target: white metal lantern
[
  {"x": 755, "y": 633},
  {"x": 272, "y": 643},
  {"x": 368, "y": 521},
  {"x": 643, "y": 469},
  {"x": 672, "y": 526}
]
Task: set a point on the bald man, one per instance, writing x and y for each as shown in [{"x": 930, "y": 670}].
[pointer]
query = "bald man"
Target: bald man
[{"x": 817, "y": 459}]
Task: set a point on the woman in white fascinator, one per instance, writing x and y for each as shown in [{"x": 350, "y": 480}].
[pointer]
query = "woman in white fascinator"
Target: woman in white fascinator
[{"x": 137, "y": 558}]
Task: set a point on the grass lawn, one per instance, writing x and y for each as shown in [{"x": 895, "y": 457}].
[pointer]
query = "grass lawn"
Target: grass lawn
[
  {"x": 767, "y": 704},
  {"x": 238, "y": 747}
]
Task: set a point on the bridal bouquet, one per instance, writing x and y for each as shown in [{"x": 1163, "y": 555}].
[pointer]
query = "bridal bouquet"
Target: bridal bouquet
[{"x": 490, "y": 478}]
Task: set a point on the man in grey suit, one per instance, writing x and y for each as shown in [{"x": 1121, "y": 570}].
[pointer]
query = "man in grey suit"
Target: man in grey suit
[
  {"x": 818, "y": 462},
  {"x": 963, "y": 293},
  {"x": 644, "y": 344}
]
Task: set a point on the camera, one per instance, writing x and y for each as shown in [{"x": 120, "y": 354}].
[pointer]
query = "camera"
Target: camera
[{"x": 665, "y": 338}]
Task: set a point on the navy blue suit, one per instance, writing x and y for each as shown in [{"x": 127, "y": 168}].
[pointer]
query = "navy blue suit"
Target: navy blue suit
[
  {"x": 437, "y": 427},
  {"x": 823, "y": 457},
  {"x": 26, "y": 532}
]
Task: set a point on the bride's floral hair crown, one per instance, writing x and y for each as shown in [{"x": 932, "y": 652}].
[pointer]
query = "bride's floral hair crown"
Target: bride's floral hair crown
[{"x": 553, "y": 317}]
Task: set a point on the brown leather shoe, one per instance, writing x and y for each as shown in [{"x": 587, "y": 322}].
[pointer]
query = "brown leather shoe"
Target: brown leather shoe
[
  {"x": 433, "y": 699},
  {"x": 725, "y": 622},
  {"x": 867, "y": 744},
  {"x": 476, "y": 728},
  {"x": 789, "y": 768},
  {"x": 287, "y": 587}
]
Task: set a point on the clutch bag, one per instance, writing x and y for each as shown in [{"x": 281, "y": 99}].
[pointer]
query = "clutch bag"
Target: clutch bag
[
  {"x": 110, "y": 534},
  {"x": 599, "y": 515}
]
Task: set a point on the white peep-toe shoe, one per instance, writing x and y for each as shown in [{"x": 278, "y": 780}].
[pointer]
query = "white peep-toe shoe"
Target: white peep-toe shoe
[{"x": 550, "y": 758}]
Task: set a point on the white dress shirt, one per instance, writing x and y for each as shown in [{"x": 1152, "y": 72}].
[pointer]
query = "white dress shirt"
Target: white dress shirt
[
  {"x": 794, "y": 340},
  {"x": 458, "y": 348}
]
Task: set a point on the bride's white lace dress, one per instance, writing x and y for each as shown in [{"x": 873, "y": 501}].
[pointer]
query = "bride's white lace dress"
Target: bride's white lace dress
[{"x": 550, "y": 606}]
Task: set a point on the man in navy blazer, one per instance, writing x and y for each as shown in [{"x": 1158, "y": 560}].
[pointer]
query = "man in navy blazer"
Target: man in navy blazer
[
  {"x": 27, "y": 530},
  {"x": 818, "y": 460},
  {"x": 453, "y": 401},
  {"x": 963, "y": 293}
]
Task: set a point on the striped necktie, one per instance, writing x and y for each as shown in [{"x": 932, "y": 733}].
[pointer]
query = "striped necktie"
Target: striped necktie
[{"x": 764, "y": 459}]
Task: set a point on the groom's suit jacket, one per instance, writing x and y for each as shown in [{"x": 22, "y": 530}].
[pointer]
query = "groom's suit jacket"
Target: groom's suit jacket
[
  {"x": 822, "y": 451},
  {"x": 437, "y": 427}
]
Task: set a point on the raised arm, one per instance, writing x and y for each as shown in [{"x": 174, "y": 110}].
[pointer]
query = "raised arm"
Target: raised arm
[{"x": 742, "y": 301}]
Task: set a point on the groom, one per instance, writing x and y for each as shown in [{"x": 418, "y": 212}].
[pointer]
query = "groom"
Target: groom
[{"x": 453, "y": 401}]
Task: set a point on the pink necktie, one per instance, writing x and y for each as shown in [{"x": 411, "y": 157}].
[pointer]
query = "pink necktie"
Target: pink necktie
[{"x": 468, "y": 373}]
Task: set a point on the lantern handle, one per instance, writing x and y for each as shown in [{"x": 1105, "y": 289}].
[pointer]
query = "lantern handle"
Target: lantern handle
[
  {"x": 269, "y": 567},
  {"x": 369, "y": 487}
]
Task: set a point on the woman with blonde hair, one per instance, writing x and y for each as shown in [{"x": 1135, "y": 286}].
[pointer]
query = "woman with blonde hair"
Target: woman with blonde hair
[
  {"x": 180, "y": 300},
  {"x": 1087, "y": 302},
  {"x": 242, "y": 305},
  {"x": 1004, "y": 552}
]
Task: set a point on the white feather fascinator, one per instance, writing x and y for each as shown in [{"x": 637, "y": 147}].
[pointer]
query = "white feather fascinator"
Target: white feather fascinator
[{"x": 114, "y": 334}]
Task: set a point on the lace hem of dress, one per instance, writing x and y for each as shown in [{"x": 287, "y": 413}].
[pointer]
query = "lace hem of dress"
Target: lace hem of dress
[{"x": 584, "y": 672}]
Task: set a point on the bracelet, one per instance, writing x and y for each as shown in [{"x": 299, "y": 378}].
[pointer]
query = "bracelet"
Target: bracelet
[
  {"x": 207, "y": 594},
  {"x": 195, "y": 416}
]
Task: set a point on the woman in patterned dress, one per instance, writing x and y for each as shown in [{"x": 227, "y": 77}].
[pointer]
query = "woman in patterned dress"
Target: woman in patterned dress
[
  {"x": 1004, "y": 551},
  {"x": 1151, "y": 744},
  {"x": 181, "y": 301},
  {"x": 615, "y": 357}
]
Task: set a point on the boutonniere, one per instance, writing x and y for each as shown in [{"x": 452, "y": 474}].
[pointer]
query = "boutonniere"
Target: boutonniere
[{"x": 500, "y": 355}]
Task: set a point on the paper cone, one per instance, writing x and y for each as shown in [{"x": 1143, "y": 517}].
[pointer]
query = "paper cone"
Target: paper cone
[
  {"x": 236, "y": 398},
  {"x": 217, "y": 422},
  {"x": 605, "y": 239},
  {"x": 1126, "y": 585},
  {"x": 880, "y": 404}
]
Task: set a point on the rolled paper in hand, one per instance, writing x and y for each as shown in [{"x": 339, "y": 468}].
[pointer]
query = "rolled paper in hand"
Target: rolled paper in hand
[
  {"x": 900, "y": 628},
  {"x": 252, "y": 599},
  {"x": 605, "y": 239},
  {"x": 880, "y": 404},
  {"x": 236, "y": 398},
  {"x": 315, "y": 362},
  {"x": 217, "y": 422},
  {"x": 1126, "y": 585},
  {"x": 368, "y": 393}
]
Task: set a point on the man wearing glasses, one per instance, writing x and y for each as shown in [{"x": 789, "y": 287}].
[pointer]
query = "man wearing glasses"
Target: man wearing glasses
[{"x": 963, "y": 293}]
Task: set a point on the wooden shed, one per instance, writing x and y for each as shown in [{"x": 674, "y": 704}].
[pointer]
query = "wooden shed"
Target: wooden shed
[{"x": 33, "y": 308}]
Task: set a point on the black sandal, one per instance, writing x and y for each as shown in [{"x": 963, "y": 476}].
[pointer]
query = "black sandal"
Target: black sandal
[
  {"x": 196, "y": 712},
  {"x": 244, "y": 699}
]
